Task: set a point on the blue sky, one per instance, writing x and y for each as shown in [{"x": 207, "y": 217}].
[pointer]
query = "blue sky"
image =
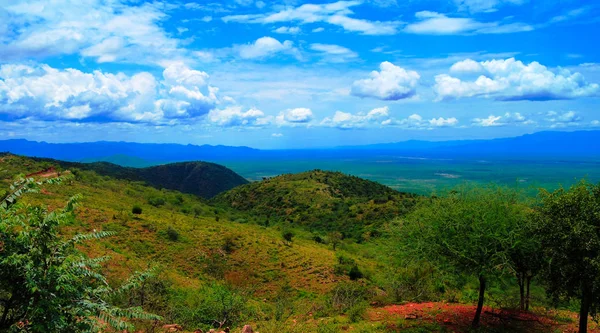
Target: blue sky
[{"x": 289, "y": 74}]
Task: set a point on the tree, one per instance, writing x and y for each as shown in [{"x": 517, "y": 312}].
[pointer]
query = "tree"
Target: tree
[
  {"x": 568, "y": 222},
  {"x": 46, "y": 285},
  {"x": 335, "y": 238},
  {"x": 137, "y": 210},
  {"x": 527, "y": 260},
  {"x": 471, "y": 229}
]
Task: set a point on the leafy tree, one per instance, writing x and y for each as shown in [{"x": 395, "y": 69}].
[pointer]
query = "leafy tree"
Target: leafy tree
[
  {"x": 527, "y": 260},
  {"x": 335, "y": 238},
  {"x": 46, "y": 285},
  {"x": 472, "y": 230},
  {"x": 569, "y": 228}
]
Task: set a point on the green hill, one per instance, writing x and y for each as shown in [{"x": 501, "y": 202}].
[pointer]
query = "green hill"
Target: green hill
[
  {"x": 320, "y": 200},
  {"x": 203, "y": 179}
]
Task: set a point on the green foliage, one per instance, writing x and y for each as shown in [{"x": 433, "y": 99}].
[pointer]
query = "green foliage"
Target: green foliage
[
  {"x": 46, "y": 285},
  {"x": 213, "y": 305},
  {"x": 157, "y": 201},
  {"x": 172, "y": 234},
  {"x": 287, "y": 235},
  {"x": 320, "y": 200},
  {"x": 568, "y": 223},
  {"x": 137, "y": 210},
  {"x": 473, "y": 229},
  {"x": 346, "y": 295}
]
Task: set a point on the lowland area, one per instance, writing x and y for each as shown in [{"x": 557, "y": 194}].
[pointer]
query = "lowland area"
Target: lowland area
[{"x": 193, "y": 246}]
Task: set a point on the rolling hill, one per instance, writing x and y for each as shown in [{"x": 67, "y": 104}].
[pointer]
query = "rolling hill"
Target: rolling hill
[
  {"x": 203, "y": 179},
  {"x": 320, "y": 200}
]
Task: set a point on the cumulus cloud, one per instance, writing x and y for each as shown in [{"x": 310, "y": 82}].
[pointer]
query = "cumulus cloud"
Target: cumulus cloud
[
  {"x": 512, "y": 80},
  {"x": 105, "y": 32},
  {"x": 277, "y": 135},
  {"x": 380, "y": 117},
  {"x": 390, "y": 83},
  {"x": 344, "y": 120},
  {"x": 336, "y": 13},
  {"x": 52, "y": 94},
  {"x": 265, "y": 47},
  {"x": 295, "y": 116},
  {"x": 234, "y": 116},
  {"x": 433, "y": 23},
  {"x": 467, "y": 66}
]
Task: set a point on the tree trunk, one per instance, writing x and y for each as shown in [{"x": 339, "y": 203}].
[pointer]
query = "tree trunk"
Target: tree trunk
[
  {"x": 477, "y": 318},
  {"x": 527, "y": 298},
  {"x": 521, "y": 282},
  {"x": 584, "y": 310}
]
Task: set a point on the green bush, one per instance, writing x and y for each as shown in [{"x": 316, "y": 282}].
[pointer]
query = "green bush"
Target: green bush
[
  {"x": 172, "y": 234},
  {"x": 156, "y": 201},
  {"x": 137, "y": 210},
  {"x": 357, "y": 311}
]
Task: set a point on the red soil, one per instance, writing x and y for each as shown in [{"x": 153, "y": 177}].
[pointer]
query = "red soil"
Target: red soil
[{"x": 458, "y": 317}]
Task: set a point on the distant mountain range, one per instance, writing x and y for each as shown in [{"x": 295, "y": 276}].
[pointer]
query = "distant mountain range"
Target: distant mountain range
[{"x": 578, "y": 144}]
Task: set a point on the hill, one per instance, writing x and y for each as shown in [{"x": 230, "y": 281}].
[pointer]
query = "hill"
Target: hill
[
  {"x": 203, "y": 179},
  {"x": 320, "y": 200}
]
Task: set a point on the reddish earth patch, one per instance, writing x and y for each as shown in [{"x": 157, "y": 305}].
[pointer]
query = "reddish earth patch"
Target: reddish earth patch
[{"x": 458, "y": 317}]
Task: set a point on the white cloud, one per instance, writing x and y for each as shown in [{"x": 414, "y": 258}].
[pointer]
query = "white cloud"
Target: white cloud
[
  {"x": 265, "y": 47},
  {"x": 564, "y": 119},
  {"x": 334, "y": 53},
  {"x": 380, "y": 117},
  {"x": 512, "y": 80},
  {"x": 507, "y": 119},
  {"x": 443, "y": 122},
  {"x": 234, "y": 116},
  {"x": 336, "y": 13},
  {"x": 433, "y": 23},
  {"x": 277, "y": 135},
  {"x": 467, "y": 66},
  {"x": 595, "y": 123},
  {"x": 390, "y": 83},
  {"x": 47, "y": 93},
  {"x": 320, "y": 29},
  {"x": 288, "y": 30},
  {"x": 487, "y": 6},
  {"x": 295, "y": 116},
  {"x": 106, "y": 32},
  {"x": 344, "y": 120}
]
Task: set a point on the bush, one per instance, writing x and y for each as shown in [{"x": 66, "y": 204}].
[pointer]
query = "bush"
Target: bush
[
  {"x": 288, "y": 236},
  {"x": 356, "y": 312},
  {"x": 355, "y": 273},
  {"x": 172, "y": 234},
  {"x": 156, "y": 201},
  {"x": 345, "y": 295},
  {"x": 137, "y": 210}
]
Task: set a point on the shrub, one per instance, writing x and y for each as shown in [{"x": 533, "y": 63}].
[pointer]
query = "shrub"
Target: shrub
[
  {"x": 346, "y": 295},
  {"x": 357, "y": 311},
  {"x": 137, "y": 210},
  {"x": 287, "y": 235},
  {"x": 355, "y": 273},
  {"x": 172, "y": 234},
  {"x": 156, "y": 201}
]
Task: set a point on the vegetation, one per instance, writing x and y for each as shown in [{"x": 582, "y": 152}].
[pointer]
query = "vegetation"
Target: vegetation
[
  {"x": 46, "y": 285},
  {"x": 569, "y": 228},
  {"x": 223, "y": 263},
  {"x": 321, "y": 201}
]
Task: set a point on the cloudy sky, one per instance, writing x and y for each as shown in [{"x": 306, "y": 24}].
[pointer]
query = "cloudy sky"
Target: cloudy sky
[{"x": 291, "y": 73}]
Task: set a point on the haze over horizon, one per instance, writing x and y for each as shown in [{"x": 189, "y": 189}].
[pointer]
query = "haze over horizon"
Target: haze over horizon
[{"x": 296, "y": 74}]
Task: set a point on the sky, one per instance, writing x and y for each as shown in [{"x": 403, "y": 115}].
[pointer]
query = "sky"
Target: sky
[{"x": 296, "y": 74}]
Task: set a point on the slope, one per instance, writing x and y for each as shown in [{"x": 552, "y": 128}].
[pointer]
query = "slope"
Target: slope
[{"x": 320, "y": 200}]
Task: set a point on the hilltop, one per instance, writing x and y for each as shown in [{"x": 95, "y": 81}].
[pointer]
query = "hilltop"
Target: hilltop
[{"x": 320, "y": 200}]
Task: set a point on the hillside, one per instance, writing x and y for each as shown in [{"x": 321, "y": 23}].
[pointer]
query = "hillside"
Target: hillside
[
  {"x": 320, "y": 200},
  {"x": 199, "y": 178}
]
